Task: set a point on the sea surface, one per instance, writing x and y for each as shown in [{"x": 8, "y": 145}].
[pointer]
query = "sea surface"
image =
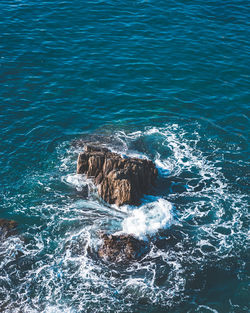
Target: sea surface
[{"x": 164, "y": 80}]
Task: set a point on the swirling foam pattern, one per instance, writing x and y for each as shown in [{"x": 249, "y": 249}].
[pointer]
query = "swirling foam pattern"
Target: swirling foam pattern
[{"x": 166, "y": 80}]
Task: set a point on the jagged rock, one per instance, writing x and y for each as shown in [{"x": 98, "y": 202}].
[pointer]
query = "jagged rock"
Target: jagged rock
[
  {"x": 120, "y": 180},
  {"x": 122, "y": 248},
  {"x": 7, "y": 228}
]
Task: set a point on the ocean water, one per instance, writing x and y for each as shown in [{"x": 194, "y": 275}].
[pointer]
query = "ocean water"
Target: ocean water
[{"x": 165, "y": 80}]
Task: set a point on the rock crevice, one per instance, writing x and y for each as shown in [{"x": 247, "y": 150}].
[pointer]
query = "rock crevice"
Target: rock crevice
[{"x": 119, "y": 180}]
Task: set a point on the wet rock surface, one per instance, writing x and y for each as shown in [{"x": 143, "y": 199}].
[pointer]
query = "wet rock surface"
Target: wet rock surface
[
  {"x": 7, "y": 228},
  {"x": 122, "y": 248},
  {"x": 119, "y": 180}
]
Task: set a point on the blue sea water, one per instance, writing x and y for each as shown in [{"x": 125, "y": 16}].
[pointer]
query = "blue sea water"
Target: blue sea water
[{"x": 167, "y": 80}]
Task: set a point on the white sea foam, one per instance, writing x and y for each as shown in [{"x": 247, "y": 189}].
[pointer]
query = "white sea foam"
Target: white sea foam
[
  {"x": 69, "y": 227},
  {"x": 149, "y": 218},
  {"x": 76, "y": 180},
  {"x": 162, "y": 166}
]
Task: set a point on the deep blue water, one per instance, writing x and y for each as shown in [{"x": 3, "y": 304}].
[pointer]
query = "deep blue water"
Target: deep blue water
[{"x": 168, "y": 80}]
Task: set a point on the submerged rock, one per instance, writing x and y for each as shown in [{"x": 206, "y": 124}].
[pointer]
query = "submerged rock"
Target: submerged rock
[
  {"x": 119, "y": 180},
  {"x": 7, "y": 228},
  {"x": 98, "y": 140},
  {"x": 122, "y": 248}
]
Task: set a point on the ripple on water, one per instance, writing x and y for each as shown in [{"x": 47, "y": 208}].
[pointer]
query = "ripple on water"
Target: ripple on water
[{"x": 49, "y": 268}]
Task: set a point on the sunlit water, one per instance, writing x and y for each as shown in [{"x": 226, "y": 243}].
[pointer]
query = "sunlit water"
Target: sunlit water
[{"x": 166, "y": 81}]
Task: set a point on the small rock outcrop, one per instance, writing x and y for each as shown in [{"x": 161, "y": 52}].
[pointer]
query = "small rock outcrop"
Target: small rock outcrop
[
  {"x": 7, "y": 228},
  {"x": 119, "y": 180},
  {"x": 122, "y": 248}
]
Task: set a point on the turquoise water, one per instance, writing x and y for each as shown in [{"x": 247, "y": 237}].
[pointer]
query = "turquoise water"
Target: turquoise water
[{"x": 168, "y": 80}]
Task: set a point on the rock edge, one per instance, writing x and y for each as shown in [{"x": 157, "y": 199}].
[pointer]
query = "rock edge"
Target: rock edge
[{"x": 119, "y": 180}]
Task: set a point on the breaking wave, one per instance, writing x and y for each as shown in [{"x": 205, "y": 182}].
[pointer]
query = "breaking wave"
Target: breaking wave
[
  {"x": 149, "y": 218},
  {"x": 195, "y": 220}
]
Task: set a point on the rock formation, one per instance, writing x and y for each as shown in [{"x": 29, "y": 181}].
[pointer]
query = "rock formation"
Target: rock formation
[
  {"x": 122, "y": 248},
  {"x": 119, "y": 180},
  {"x": 7, "y": 228}
]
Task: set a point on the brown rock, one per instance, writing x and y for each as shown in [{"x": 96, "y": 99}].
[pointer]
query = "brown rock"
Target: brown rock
[
  {"x": 120, "y": 181},
  {"x": 7, "y": 228},
  {"x": 122, "y": 248}
]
